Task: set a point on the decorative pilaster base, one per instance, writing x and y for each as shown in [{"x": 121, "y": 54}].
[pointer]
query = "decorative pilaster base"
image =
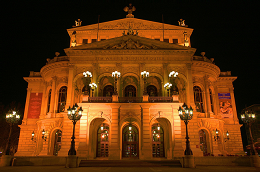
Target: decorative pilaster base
[
  {"x": 114, "y": 154},
  {"x": 145, "y": 98},
  {"x": 146, "y": 154},
  {"x": 188, "y": 161},
  {"x": 5, "y": 160},
  {"x": 114, "y": 98},
  {"x": 72, "y": 161}
]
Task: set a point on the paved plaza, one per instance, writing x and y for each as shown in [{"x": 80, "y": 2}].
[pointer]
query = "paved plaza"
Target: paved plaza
[{"x": 127, "y": 169}]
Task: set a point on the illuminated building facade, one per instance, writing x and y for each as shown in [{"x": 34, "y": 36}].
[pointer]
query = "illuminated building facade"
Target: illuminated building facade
[{"x": 130, "y": 115}]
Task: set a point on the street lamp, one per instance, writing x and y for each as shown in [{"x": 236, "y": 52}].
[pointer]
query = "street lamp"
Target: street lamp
[
  {"x": 116, "y": 75},
  {"x": 11, "y": 117},
  {"x": 93, "y": 86},
  {"x": 248, "y": 118},
  {"x": 167, "y": 86},
  {"x": 216, "y": 136},
  {"x": 227, "y": 138},
  {"x": 186, "y": 114},
  {"x": 87, "y": 74},
  {"x": 74, "y": 114},
  {"x": 145, "y": 75}
]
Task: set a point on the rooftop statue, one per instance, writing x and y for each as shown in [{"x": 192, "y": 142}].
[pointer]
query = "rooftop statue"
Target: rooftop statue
[
  {"x": 181, "y": 22},
  {"x": 130, "y": 10},
  {"x": 78, "y": 23}
]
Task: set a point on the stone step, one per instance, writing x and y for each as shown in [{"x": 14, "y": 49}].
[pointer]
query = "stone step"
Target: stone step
[{"x": 130, "y": 163}]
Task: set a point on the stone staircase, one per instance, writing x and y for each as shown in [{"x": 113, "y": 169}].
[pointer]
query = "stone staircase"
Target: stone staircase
[{"x": 130, "y": 163}]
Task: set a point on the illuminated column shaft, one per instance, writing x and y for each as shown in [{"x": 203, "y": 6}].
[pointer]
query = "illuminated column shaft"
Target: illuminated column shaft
[
  {"x": 114, "y": 151},
  {"x": 53, "y": 92},
  {"x": 27, "y": 103},
  {"x": 95, "y": 76},
  {"x": 233, "y": 103},
  {"x": 189, "y": 93},
  {"x": 207, "y": 96},
  {"x": 44, "y": 101},
  {"x": 146, "y": 134},
  {"x": 165, "y": 78},
  {"x": 70, "y": 91}
]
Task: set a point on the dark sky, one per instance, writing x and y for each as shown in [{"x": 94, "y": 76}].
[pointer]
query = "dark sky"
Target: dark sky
[{"x": 227, "y": 31}]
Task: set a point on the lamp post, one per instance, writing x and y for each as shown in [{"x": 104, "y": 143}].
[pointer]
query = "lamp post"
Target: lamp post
[
  {"x": 93, "y": 87},
  {"x": 249, "y": 118},
  {"x": 145, "y": 75},
  {"x": 116, "y": 75},
  {"x": 87, "y": 75},
  {"x": 11, "y": 117},
  {"x": 186, "y": 114},
  {"x": 74, "y": 114},
  {"x": 167, "y": 86}
]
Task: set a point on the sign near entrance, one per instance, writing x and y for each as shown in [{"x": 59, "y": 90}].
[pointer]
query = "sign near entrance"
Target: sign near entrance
[
  {"x": 226, "y": 109},
  {"x": 35, "y": 105}
]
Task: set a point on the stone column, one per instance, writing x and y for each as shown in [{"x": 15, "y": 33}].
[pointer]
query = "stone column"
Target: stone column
[
  {"x": 189, "y": 92},
  {"x": 95, "y": 77},
  {"x": 146, "y": 146},
  {"x": 207, "y": 97},
  {"x": 178, "y": 150},
  {"x": 217, "y": 111},
  {"x": 114, "y": 147},
  {"x": 233, "y": 103},
  {"x": 53, "y": 91},
  {"x": 165, "y": 78},
  {"x": 29, "y": 90},
  {"x": 70, "y": 90}
]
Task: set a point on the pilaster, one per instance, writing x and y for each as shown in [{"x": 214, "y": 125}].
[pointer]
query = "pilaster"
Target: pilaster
[
  {"x": 190, "y": 96},
  {"x": 70, "y": 90}
]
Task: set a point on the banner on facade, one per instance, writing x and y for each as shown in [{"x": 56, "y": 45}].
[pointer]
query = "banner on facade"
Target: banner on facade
[
  {"x": 35, "y": 105},
  {"x": 225, "y": 105}
]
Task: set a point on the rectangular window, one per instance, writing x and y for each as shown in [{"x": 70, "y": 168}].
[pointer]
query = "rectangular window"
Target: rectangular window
[
  {"x": 166, "y": 40},
  {"x": 85, "y": 41},
  {"x": 94, "y": 40},
  {"x": 174, "y": 41}
]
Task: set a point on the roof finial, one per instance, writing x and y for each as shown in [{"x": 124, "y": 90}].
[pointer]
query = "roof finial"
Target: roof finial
[
  {"x": 130, "y": 10},
  {"x": 181, "y": 22},
  {"x": 78, "y": 23}
]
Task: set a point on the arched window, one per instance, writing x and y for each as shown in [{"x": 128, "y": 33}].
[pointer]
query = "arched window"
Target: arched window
[
  {"x": 174, "y": 90},
  {"x": 49, "y": 101},
  {"x": 108, "y": 91},
  {"x": 152, "y": 91},
  {"x": 211, "y": 100},
  {"x": 198, "y": 99},
  {"x": 62, "y": 99},
  {"x": 57, "y": 142},
  {"x": 103, "y": 140},
  {"x": 130, "y": 91}
]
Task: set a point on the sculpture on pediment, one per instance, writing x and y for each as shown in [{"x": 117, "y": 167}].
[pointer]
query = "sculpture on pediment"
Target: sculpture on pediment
[
  {"x": 130, "y": 44},
  {"x": 181, "y": 22}
]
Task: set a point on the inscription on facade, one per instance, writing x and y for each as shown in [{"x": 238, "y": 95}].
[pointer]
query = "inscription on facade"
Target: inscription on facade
[{"x": 129, "y": 58}]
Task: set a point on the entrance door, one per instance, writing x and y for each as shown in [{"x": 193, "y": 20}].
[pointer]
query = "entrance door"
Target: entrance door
[
  {"x": 130, "y": 142},
  {"x": 57, "y": 142},
  {"x": 103, "y": 140},
  {"x": 203, "y": 142},
  {"x": 158, "y": 138}
]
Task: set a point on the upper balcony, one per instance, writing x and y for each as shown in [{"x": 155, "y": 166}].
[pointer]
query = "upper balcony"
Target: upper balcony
[{"x": 116, "y": 99}]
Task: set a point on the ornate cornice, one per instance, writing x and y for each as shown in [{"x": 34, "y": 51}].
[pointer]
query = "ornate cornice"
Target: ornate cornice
[
  {"x": 56, "y": 65},
  {"x": 33, "y": 79}
]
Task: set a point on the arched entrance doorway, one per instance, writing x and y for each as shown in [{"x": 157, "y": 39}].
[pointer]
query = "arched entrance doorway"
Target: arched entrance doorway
[
  {"x": 152, "y": 91},
  {"x": 108, "y": 91},
  {"x": 158, "y": 141},
  {"x": 130, "y": 142},
  {"x": 102, "y": 140},
  {"x": 204, "y": 142},
  {"x": 57, "y": 142},
  {"x": 130, "y": 91}
]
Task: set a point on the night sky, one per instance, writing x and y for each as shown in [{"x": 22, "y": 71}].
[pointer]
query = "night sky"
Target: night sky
[{"x": 226, "y": 30}]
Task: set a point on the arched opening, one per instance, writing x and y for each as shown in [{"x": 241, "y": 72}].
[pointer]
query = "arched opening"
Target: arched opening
[
  {"x": 49, "y": 101},
  {"x": 158, "y": 140},
  {"x": 57, "y": 142},
  {"x": 62, "y": 99},
  {"x": 152, "y": 91},
  {"x": 198, "y": 99},
  {"x": 108, "y": 91},
  {"x": 204, "y": 145},
  {"x": 130, "y": 142},
  {"x": 86, "y": 90},
  {"x": 130, "y": 91},
  {"x": 102, "y": 140}
]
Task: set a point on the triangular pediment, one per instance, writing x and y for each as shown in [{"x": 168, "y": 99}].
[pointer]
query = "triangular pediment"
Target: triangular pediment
[
  {"x": 124, "y": 24},
  {"x": 129, "y": 42}
]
